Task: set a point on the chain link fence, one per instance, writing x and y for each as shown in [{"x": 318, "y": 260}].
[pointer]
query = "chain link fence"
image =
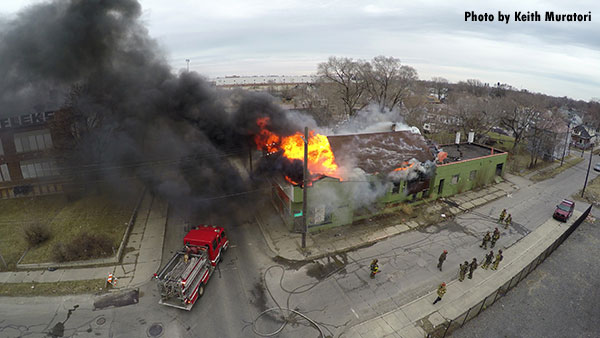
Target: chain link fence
[{"x": 445, "y": 330}]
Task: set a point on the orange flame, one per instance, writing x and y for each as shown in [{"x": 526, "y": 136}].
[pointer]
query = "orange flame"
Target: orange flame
[
  {"x": 405, "y": 166},
  {"x": 321, "y": 160}
]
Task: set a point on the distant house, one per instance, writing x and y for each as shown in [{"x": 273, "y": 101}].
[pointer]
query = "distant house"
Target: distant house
[
  {"x": 582, "y": 137},
  {"x": 548, "y": 137},
  {"x": 440, "y": 118}
]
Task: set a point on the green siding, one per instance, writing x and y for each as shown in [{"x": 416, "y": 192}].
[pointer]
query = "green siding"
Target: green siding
[
  {"x": 337, "y": 197},
  {"x": 485, "y": 168}
]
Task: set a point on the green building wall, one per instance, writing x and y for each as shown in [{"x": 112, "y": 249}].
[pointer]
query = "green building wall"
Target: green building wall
[
  {"x": 465, "y": 175},
  {"x": 340, "y": 210}
]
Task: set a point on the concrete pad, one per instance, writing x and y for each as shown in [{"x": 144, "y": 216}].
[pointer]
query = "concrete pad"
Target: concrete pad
[
  {"x": 4, "y": 276},
  {"x": 390, "y": 231},
  {"x": 145, "y": 271},
  {"x": 131, "y": 257},
  {"x": 478, "y": 201},
  {"x": 51, "y": 276},
  {"x": 16, "y": 277},
  {"x": 377, "y": 235},
  {"x": 436, "y": 319},
  {"x": 396, "y": 319},
  {"x": 454, "y": 210},
  {"x": 86, "y": 273},
  {"x": 32, "y": 276},
  {"x": 468, "y": 205},
  {"x": 412, "y": 332},
  {"x": 149, "y": 254},
  {"x": 135, "y": 240},
  {"x": 124, "y": 270},
  {"x": 411, "y": 224},
  {"x": 420, "y": 308},
  {"x": 401, "y": 227}
]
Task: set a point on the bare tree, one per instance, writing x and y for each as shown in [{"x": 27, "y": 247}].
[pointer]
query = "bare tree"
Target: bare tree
[
  {"x": 312, "y": 99},
  {"x": 387, "y": 81},
  {"x": 474, "y": 114},
  {"x": 474, "y": 87},
  {"x": 345, "y": 73},
  {"x": 440, "y": 86},
  {"x": 517, "y": 115}
]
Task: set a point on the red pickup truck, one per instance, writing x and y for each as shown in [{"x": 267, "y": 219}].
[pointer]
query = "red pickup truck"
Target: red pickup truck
[
  {"x": 564, "y": 210},
  {"x": 182, "y": 280}
]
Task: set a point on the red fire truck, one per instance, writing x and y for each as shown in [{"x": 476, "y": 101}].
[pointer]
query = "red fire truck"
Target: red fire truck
[{"x": 182, "y": 280}]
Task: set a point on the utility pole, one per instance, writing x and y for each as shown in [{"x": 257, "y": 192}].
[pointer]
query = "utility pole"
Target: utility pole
[
  {"x": 304, "y": 189},
  {"x": 566, "y": 144},
  {"x": 588, "y": 171}
]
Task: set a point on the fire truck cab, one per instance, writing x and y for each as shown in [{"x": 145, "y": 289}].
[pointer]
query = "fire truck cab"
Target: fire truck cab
[{"x": 211, "y": 237}]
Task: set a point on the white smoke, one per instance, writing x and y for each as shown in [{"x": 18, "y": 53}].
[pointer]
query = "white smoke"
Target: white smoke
[
  {"x": 415, "y": 170},
  {"x": 372, "y": 120}
]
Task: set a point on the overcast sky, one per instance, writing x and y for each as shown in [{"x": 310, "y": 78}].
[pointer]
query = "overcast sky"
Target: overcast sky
[{"x": 290, "y": 37}]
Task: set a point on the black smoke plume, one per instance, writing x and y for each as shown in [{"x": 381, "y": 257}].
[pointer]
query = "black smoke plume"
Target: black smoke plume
[{"x": 123, "y": 112}]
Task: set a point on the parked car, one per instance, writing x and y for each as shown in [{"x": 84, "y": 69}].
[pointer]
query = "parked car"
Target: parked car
[
  {"x": 597, "y": 167},
  {"x": 564, "y": 210}
]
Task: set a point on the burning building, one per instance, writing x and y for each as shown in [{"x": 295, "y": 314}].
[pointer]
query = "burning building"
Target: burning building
[{"x": 377, "y": 172}]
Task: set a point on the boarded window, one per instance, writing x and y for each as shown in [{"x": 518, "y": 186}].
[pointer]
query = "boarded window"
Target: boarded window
[
  {"x": 455, "y": 179},
  {"x": 396, "y": 188},
  {"x": 38, "y": 168},
  {"x": 33, "y": 140},
  {"x": 4, "y": 174},
  {"x": 472, "y": 175}
]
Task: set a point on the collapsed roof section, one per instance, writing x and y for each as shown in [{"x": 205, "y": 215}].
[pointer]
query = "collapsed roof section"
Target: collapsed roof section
[{"x": 380, "y": 152}]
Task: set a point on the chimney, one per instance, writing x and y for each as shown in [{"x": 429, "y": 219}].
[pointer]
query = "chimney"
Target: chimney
[
  {"x": 457, "y": 140},
  {"x": 471, "y": 137}
]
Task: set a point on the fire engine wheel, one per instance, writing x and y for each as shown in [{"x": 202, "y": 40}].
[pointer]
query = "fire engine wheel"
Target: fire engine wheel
[{"x": 200, "y": 291}]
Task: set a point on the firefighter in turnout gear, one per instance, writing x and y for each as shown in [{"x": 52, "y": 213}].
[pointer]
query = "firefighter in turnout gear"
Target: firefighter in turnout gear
[
  {"x": 472, "y": 267},
  {"x": 488, "y": 260},
  {"x": 502, "y": 216},
  {"x": 495, "y": 237},
  {"x": 463, "y": 271},
  {"x": 508, "y": 221},
  {"x": 442, "y": 259},
  {"x": 374, "y": 268},
  {"x": 498, "y": 259},
  {"x": 440, "y": 291},
  {"x": 485, "y": 241}
]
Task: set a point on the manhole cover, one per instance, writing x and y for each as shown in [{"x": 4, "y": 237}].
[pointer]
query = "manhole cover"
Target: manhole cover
[
  {"x": 155, "y": 330},
  {"x": 101, "y": 321}
]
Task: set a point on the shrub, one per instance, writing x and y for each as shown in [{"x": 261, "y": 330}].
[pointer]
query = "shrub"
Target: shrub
[
  {"x": 407, "y": 209},
  {"x": 83, "y": 246},
  {"x": 36, "y": 233}
]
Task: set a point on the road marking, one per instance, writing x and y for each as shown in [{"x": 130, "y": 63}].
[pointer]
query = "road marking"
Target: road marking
[{"x": 355, "y": 313}]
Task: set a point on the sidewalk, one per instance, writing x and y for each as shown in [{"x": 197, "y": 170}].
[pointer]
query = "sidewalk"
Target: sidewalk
[
  {"x": 138, "y": 265},
  {"x": 287, "y": 244},
  {"x": 408, "y": 321}
]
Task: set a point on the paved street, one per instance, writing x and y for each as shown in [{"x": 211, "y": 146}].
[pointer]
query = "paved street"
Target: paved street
[{"x": 334, "y": 291}]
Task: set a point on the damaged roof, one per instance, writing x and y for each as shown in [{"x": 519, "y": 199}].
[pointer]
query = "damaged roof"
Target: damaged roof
[{"x": 379, "y": 152}]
